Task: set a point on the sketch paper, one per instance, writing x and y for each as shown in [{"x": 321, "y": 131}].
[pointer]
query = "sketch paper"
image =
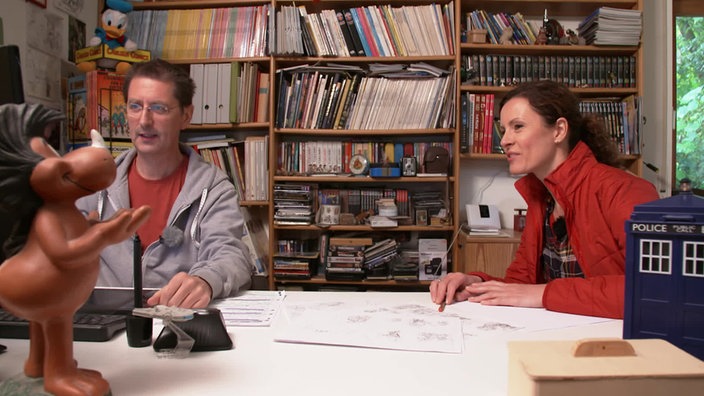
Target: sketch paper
[
  {"x": 253, "y": 308},
  {"x": 409, "y": 327},
  {"x": 414, "y": 327},
  {"x": 485, "y": 320}
]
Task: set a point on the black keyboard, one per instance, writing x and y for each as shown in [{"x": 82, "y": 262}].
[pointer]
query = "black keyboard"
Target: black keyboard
[{"x": 94, "y": 327}]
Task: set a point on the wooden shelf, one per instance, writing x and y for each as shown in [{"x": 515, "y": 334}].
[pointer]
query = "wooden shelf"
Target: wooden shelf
[
  {"x": 351, "y": 133},
  {"x": 362, "y": 179},
  {"x": 519, "y": 49},
  {"x": 531, "y": 10},
  {"x": 320, "y": 280},
  {"x": 366, "y": 228}
]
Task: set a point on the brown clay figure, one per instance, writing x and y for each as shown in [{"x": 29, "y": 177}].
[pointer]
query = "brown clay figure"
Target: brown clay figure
[{"x": 53, "y": 250}]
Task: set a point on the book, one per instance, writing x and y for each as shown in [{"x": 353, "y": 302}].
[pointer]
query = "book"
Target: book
[
  {"x": 263, "y": 98},
  {"x": 77, "y": 106},
  {"x": 346, "y": 33},
  {"x": 354, "y": 33},
  {"x": 107, "y": 108}
]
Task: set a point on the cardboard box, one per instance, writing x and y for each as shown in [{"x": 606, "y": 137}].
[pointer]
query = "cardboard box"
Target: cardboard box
[
  {"x": 602, "y": 367},
  {"x": 432, "y": 258}
]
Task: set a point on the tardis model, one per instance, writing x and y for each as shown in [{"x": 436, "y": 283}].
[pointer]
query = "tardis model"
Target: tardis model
[{"x": 665, "y": 271}]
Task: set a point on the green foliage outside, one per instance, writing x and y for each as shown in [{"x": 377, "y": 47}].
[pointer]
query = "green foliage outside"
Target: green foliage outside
[{"x": 689, "y": 144}]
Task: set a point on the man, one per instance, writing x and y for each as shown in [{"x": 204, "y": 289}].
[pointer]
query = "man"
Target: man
[{"x": 191, "y": 242}]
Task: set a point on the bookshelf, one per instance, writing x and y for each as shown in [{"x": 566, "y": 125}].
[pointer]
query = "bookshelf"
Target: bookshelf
[
  {"x": 289, "y": 129},
  {"x": 569, "y": 14}
]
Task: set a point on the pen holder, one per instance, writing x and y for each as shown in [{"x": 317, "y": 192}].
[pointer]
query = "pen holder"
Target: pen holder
[{"x": 139, "y": 331}]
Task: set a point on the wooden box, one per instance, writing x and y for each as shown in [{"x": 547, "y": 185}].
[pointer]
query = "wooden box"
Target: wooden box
[
  {"x": 602, "y": 367},
  {"x": 477, "y": 36}
]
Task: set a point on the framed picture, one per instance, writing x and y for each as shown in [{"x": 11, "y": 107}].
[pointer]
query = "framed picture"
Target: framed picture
[{"x": 40, "y": 3}]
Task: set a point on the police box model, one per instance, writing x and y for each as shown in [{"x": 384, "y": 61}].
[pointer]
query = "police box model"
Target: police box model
[{"x": 665, "y": 271}]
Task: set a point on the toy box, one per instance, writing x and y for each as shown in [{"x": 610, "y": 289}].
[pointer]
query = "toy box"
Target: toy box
[
  {"x": 432, "y": 258},
  {"x": 665, "y": 272},
  {"x": 591, "y": 367}
]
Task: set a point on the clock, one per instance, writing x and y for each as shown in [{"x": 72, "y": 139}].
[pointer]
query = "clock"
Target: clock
[{"x": 359, "y": 165}]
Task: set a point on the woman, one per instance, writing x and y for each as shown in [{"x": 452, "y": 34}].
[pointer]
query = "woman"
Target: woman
[{"x": 572, "y": 252}]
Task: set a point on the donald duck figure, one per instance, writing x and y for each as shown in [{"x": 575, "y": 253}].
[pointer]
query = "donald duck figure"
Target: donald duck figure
[
  {"x": 111, "y": 32},
  {"x": 113, "y": 25}
]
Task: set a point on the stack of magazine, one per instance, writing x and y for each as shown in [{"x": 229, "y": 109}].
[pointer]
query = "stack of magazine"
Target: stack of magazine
[
  {"x": 612, "y": 26},
  {"x": 293, "y": 204},
  {"x": 379, "y": 257}
]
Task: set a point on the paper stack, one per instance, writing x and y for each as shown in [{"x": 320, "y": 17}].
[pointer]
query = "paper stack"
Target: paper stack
[{"x": 612, "y": 26}]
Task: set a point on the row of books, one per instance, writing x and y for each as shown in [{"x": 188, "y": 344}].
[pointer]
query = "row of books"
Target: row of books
[
  {"x": 357, "y": 257},
  {"x": 479, "y": 132},
  {"x": 333, "y": 157},
  {"x": 345, "y": 257},
  {"x": 328, "y": 99},
  {"x": 495, "y": 23},
  {"x": 612, "y": 26},
  {"x": 364, "y": 200},
  {"x": 241, "y": 161},
  {"x": 234, "y": 92},
  {"x": 295, "y": 265},
  {"x": 296, "y": 204},
  {"x": 206, "y": 33},
  {"x": 374, "y": 30},
  {"x": 621, "y": 120},
  {"x": 95, "y": 101},
  {"x": 575, "y": 71},
  {"x": 256, "y": 236}
]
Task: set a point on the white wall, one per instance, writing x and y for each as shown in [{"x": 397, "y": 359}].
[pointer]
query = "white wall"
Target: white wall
[
  {"x": 476, "y": 175},
  {"x": 657, "y": 92},
  {"x": 16, "y": 15}
]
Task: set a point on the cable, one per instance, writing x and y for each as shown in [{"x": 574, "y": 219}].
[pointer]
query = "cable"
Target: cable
[
  {"x": 486, "y": 186},
  {"x": 438, "y": 270}
]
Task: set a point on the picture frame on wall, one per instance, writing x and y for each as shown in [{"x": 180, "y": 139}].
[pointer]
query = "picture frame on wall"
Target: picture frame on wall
[{"x": 39, "y": 3}]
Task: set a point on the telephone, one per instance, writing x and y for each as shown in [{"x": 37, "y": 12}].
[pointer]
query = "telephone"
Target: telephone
[{"x": 483, "y": 217}]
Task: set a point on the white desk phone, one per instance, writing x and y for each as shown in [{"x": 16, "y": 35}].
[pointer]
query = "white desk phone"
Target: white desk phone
[{"x": 483, "y": 217}]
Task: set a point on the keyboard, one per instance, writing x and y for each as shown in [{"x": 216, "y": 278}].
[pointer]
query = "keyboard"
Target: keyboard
[{"x": 94, "y": 327}]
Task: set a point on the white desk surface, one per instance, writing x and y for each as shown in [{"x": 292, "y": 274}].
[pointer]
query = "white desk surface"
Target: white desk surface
[{"x": 260, "y": 366}]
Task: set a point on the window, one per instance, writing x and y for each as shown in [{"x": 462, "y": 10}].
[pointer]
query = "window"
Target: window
[
  {"x": 655, "y": 256},
  {"x": 693, "y": 257},
  {"x": 688, "y": 90}
]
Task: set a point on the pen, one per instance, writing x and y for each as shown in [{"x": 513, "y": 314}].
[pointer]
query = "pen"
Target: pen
[
  {"x": 137, "y": 263},
  {"x": 441, "y": 308}
]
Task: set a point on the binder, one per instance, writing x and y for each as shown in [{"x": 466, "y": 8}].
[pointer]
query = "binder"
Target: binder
[{"x": 210, "y": 93}]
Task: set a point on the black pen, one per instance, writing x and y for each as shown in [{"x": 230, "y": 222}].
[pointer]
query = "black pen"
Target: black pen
[{"x": 137, "y": 262}]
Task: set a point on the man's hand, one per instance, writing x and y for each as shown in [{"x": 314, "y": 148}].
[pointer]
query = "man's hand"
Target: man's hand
[
  {"x": 183, "y": 291},
  {"x": 512, "y": 294}
]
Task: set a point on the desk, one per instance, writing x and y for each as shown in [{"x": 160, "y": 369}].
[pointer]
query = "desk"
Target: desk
[{"x": 260, "y": 366}]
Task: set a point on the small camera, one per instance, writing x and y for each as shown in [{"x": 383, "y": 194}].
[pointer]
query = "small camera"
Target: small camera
[{"x": 408, "y": 166}]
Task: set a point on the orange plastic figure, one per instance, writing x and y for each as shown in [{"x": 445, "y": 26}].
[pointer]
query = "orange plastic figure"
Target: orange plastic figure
[{"x": 53, "y": 250}]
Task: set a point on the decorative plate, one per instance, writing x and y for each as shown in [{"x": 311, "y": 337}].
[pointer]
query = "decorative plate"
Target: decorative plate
[{"x": 359, "y": 165}]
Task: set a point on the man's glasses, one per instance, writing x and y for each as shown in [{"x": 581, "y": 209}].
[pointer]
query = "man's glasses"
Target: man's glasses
[{"x": 134, "y": 108}]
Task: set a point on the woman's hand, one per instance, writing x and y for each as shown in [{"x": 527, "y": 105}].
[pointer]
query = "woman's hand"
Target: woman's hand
[
  {"x": 511, "y": 294},
  {"x": 451, "y": 288}
]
